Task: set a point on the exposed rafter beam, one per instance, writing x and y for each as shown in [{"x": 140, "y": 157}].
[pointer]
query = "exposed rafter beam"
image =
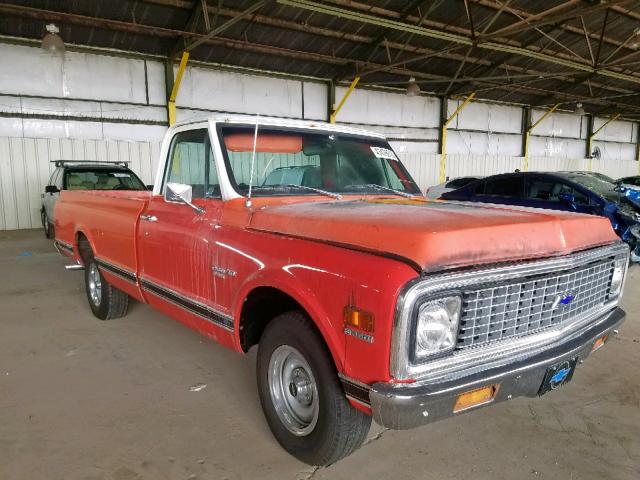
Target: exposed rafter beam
[
  {"x": 470, "y": 19},
  {"x": 535, "y": 20},
  {"x": 626, "y": 12},
  {"x": 142, "y": 29},
  {"x": 190, "y": 26},
  {"x": 604, "y": 29},
  {"x": 226, "y": 25},
  {"x": 482, "y": 78},
  {"x": 405, "y": 62},
  {"x": 620, "y": 61},
  {"x": 588, "y": 40},
  {"x": 373, "y": 46},
  {"x": 553, "y": 15},
  {"x": 519, "y": 13},
  {"x": 452, "y": 37},
  {"x": 359, "y": 38},
  {"x": 496, "y": 15},
  {"x": 205, "y": 15}
]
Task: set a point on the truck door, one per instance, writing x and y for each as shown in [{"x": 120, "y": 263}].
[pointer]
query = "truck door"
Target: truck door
[{"x": 177, "y": 244}]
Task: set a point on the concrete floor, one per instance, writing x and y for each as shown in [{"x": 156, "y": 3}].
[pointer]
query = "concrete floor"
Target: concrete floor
[{"x": 85, "y": 399}]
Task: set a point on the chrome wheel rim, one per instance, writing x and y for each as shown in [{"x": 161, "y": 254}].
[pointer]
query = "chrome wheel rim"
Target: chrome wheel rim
[
  {"x": 293, "y": 389},
  {"x": 95, "y": 285}
]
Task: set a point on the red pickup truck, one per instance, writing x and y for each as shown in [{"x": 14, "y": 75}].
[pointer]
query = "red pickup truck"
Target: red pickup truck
[{"x": 365, "y": 299}]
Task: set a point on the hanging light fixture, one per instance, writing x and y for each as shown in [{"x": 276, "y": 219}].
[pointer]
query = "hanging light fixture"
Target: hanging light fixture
[
  {"x": 413, "y": 89},
  {"x": 52, "y": 42},
  {"x": 579, "y": 110},
  {"x": 635, "y": 42}
]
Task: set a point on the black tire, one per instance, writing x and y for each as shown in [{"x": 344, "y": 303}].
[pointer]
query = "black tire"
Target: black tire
[
  {"x": 339, "y": 429},
  {"x": 110, "y": 303},
  {"x": 49, "y": 230}
]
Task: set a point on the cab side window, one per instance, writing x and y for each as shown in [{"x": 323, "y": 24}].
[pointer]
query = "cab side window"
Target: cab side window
[{"x": 191, "y": 162}]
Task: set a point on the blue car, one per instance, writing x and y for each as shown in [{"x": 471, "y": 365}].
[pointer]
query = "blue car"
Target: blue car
[
  {"x": 630, "y": 188},
  {"x": 569, "y": 191}
]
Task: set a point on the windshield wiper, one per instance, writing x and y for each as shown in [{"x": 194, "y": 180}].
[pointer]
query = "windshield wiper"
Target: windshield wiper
[
  {"x": 386, "y": 189},
  {"x": 337, "y": 196},
  {"x": 282, "y": 187}
]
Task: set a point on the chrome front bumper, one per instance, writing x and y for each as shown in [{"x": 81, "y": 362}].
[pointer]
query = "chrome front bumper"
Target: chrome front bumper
[{"x": 403, "y": 406}]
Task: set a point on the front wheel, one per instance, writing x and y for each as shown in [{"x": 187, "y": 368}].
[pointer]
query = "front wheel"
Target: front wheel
[
  {"x": 106, "y": 301},
  {"x": 301, "y": 395}
]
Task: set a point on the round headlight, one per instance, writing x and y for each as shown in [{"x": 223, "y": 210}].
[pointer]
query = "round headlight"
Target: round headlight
[{"x": 437, "y": 326}]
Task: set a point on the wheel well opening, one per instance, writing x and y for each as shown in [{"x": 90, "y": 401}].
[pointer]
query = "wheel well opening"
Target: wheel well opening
[
  {"x": 260, "y": 307},
  {"x": 84, "y": 248}
]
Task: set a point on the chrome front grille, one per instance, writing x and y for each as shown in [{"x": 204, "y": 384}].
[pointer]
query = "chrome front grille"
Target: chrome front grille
[{"x": 497, "y": 312}]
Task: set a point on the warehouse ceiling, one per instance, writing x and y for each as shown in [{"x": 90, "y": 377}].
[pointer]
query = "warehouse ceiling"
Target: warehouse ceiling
[{"x": 536, "y": 53}]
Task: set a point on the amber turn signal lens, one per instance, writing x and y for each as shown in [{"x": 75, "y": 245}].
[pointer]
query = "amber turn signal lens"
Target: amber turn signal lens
[
  {"x": 475, "y": 398},
  {"x": 599, "y": 342},
  {"x": 356, "y": 318}
]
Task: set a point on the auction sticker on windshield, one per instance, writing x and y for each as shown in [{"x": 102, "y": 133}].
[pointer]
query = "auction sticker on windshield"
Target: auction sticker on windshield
[{"x": 382, "y": 152}]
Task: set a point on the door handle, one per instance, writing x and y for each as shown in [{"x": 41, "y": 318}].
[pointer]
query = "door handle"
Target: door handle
[{"x": 149, "y": 218}]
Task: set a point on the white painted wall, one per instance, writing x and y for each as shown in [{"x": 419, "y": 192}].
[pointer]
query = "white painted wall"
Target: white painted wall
[{"x": 90, "y": 106}]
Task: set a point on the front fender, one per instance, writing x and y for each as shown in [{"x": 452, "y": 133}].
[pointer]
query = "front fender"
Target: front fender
[
  {"x": 323, "y": 279},
  {"x": 294, "y": 287}
]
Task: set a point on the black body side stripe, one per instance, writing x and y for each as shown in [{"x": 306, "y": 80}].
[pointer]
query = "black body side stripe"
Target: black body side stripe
[
  {"x": 356, "y": 391},
  {"x": 118, "y": 271},
  {"x": 220, "y": 319}
]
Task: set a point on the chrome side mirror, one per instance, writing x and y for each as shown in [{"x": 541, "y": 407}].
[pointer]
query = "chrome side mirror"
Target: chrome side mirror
[{"x": 181, "y": 193}]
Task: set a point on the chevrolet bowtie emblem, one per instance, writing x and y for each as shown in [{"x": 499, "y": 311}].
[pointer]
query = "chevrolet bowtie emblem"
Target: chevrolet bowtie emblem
[{"x": 562, "y": 299}]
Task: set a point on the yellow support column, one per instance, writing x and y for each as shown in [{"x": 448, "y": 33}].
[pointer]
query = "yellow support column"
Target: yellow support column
[
  {"x": 335, "y": 111},
  {"x": 171, "y": 105},
  {"x": 443, "y": 135},
  {"x": 527, "y": 135},
  {"x": 592, "y": 136}
]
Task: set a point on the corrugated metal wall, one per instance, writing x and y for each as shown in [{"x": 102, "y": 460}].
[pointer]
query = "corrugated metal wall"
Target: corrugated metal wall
[
  {"x": 106, "y": 107},
  {"x": 425, "y": 168},
  {"x": 25, "y": 169}
]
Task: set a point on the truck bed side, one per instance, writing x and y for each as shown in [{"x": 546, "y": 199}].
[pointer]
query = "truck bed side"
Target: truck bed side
[{"x": 109, "y": 221}]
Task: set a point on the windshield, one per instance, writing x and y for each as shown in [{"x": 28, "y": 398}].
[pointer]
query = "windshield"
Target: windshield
[
  {"x": 597, "y": 185},
  {"x": 294, "y": 162},
  {"x": 102, "y": 179}
]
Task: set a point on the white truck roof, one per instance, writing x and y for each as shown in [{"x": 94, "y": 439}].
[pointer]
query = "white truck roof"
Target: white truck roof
[{"x": 282, "y": 122}]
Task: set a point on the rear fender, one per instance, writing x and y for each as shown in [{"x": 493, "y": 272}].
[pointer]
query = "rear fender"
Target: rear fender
[{"x": 84, "y": 231}]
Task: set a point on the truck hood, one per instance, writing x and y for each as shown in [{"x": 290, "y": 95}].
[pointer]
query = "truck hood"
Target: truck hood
[{"x": 437, "y": 235}]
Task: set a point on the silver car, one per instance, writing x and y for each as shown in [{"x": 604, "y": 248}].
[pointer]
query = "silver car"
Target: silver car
[{"x": 84, "y": 175}]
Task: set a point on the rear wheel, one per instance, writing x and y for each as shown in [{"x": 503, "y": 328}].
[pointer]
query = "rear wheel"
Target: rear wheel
[
  {"x": 106, "y": 301},
  {"x": 301, "y": 395}
]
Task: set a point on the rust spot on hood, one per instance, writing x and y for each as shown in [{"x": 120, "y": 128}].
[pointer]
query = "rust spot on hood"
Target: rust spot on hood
[{"x": 438, "y": 235}]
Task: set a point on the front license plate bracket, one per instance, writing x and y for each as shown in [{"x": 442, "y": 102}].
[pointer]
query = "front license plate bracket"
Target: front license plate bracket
[{"x": 558, "y": 375}]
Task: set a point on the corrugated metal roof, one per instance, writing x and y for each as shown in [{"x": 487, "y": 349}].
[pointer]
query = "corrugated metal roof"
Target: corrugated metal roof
[{"x": 536, "y": 53}]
